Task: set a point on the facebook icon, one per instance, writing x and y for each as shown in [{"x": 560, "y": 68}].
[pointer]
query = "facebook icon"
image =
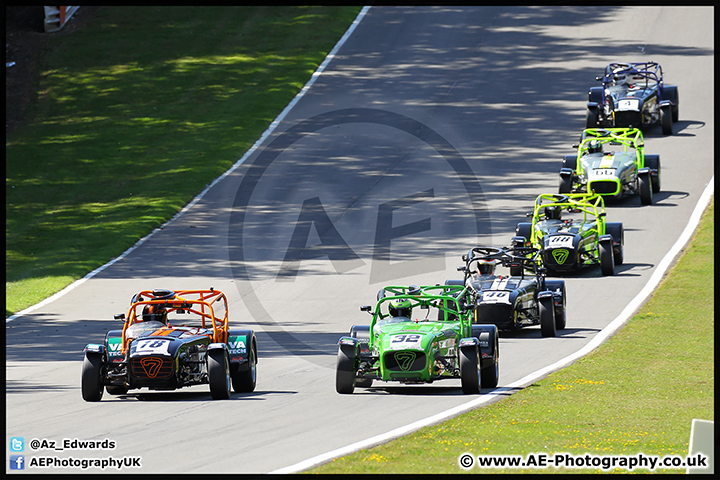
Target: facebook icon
[{"x": 17, "y": 462}]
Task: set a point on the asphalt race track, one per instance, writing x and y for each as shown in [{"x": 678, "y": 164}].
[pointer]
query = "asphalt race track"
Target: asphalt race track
[{"x": 431, "y": 131}]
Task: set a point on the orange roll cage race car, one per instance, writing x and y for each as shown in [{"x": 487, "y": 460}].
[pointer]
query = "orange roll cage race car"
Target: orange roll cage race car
[{"x": 194, "y": 346}]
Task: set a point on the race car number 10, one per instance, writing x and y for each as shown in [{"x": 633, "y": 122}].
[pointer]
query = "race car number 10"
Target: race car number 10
[{"x": 152, "y": 347}]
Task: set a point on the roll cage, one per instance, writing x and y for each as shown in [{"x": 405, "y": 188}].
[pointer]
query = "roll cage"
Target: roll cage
[
  {"x": 449, "y": 300},
  {"x": 628, "y": 138},
  {"x": 592, "y": 207},
  {"x": 511, "y": 257},
  {"x": 210, "y": 306},
  {"x": 649, "y": 71}
]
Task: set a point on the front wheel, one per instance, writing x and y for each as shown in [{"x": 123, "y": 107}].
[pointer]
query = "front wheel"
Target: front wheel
[
  {"x": 666, "y": 120},
  {"x": 547, "y": 317},
  {"x": 645, "y": 187},
  {"x": 219, "y": 374},
  {"x": 91, "y": 385},
  {"x": 470, "y": 370},
  {"x": 490, "y": 373},
  {"x": 653, "y": 163},
  {"x": 345, "y": 372},
  {"x": 245, "y": 381},
  {"x": 607, "y": 262}
]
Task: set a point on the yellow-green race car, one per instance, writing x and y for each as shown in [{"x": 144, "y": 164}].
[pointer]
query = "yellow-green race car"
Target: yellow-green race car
[
  {"x": 611, "y": 162},
  {"x": 570, "y": 232}
]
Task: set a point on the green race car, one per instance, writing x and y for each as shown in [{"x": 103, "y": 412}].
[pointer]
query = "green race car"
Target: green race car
[
  {"x": 579, "y": 239},
  {"x": 599, "y": 168},
  {"x": 419, "y": 335}
]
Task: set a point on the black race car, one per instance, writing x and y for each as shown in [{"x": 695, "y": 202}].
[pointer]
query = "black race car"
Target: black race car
[
  {"x": 633, "y": 95},
  {"x": 163, "y": 353},
  {"x": 522, "y": 299}
]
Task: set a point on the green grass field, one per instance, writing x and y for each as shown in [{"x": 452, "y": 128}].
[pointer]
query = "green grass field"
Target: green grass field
[
  {"x": 136, "y": 114},
  {"x": 636, "y": 393}
]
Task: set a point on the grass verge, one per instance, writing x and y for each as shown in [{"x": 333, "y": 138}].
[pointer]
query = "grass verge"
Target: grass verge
[
  {"x": 136, "y": 113},
  {"x": 637, "y": 393}
]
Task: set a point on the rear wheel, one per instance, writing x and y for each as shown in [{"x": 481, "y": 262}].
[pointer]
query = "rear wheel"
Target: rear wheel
[
  {"x": 592, "y": 117},
  {"x": 91, "y": 384},
  {"x": 345, "y": 372},
  {"x": 219, "y": 374},
  {"x": 565, "y": 184},
  {"x": 607, "y": 262},
  {"x": 546, "y": 308},
  {"x": 470, "y": 370}
]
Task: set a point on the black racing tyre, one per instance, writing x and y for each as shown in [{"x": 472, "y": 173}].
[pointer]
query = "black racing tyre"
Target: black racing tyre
[
  {"x": 653, "y": 163},
  {"x": 566, "y": 184},
  {"x": 570, "y": 161},
  {"x": 645, "y": 187},
  {"x": 244, "y": 381},
  {"x": 616, "y": 230},
  {"x": 666, "y": 122},
  {"x": 560, "y": 318},
  {"x": 595, "y": 95},
  {"x": 219, "y": 374},
  {"x": 345, "y": 372},
  {"x": 116, "y": 389},
  {"x": 607, "y": 262},
  {"x": 546, "y": 309},
  {"x": 91, "y": 380},
  {"x": 490, "y": 374},
  {"x": 592, "y": 117},
  {"x": 470, "y": 370},
  {"x": 670, "y": 92}
]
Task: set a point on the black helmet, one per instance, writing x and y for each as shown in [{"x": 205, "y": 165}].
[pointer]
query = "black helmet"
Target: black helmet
[
  {"x": 156, "y": 313},
  {"x": 553, "y": 213},
  {"x": 486, "y": 267}
]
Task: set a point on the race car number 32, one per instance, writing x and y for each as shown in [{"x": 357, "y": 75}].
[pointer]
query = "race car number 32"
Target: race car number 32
[
  {"x": 405, "y": 341},
  {"x": 152, "y": 347}
]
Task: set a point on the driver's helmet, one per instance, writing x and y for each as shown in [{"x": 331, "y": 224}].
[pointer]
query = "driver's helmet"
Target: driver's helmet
[
  {"x": 619, "y": 78},
  {"x": 485, "y": 267},
  {"x": 594, "y": 146},
  {"x": 400, "y": 307},
  {"x": 553, "y": 213},
  {"x": 156, "y": 313}
]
